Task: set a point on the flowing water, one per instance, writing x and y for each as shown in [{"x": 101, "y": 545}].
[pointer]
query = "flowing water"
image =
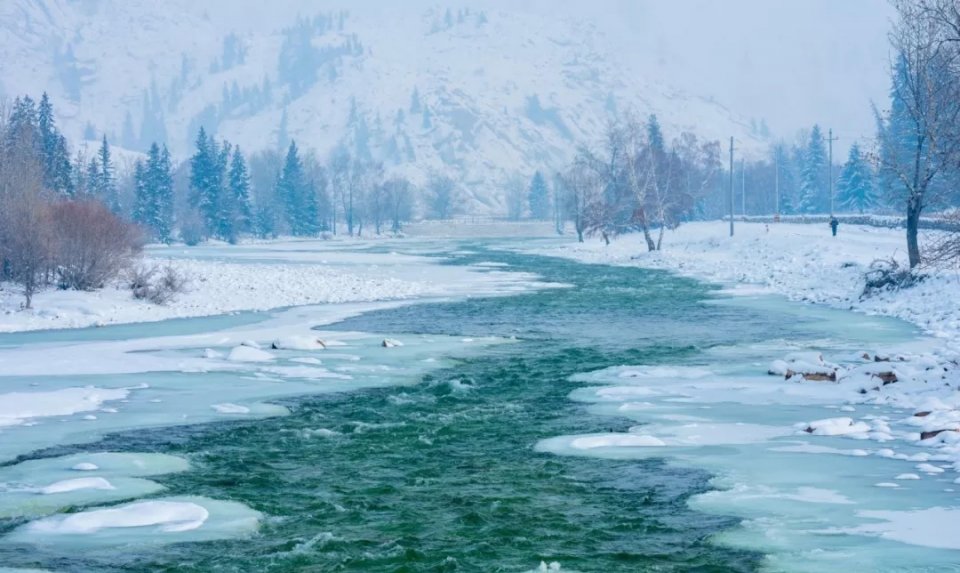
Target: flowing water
[{"x": 444, "y": 474}]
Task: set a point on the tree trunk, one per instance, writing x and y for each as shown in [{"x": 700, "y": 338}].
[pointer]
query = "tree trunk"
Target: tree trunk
[
  {"x": 660, "y": 238},
  {"x": 913, "y": 226},
  {"x": 651, "y": 246}
]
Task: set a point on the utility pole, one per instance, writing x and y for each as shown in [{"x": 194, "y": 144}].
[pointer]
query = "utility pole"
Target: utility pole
[
  {"x": 776, "y": 173},
  {"x": 830, "y": 140},
  {"x": 731, "y": 186},
  {"x": 743, "y": 189}
]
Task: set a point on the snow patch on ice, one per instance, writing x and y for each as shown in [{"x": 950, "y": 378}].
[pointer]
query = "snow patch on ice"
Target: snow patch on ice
[{"x": 162, "y": 516}]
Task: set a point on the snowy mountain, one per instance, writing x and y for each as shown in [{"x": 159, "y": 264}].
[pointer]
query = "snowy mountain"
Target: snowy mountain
[{"x": 480, "y": 91}]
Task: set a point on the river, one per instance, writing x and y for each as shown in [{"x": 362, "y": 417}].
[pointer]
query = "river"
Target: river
[{"x": 470, "y": 463}]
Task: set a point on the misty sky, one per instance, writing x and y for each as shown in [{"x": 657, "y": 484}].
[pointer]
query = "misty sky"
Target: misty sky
[{"x": 792, "y": 62}]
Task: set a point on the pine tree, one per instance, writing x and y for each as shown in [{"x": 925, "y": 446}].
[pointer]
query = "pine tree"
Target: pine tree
[
  {"x": 142, "y": 200},
  {"x": 164, "y": 197},
  {"x": 153, "y": 190},
  {"x": 655, "y": 134},
  {"x": 23, "y": 124},
  {"x": 298, "y": 200},
  {"x": 813, "y": 192},
  {"x": 53, "y": 150},
  {"x": 896, "y": 133},
  {"x": 539, "y": 197},
  {"x": 204, "y": 184},
  {"x": 855, "y": 188},
  {"x": 239, "y": 186},
  {"x": 92, "y": 177},
  {"x": 104, "y": 184}
]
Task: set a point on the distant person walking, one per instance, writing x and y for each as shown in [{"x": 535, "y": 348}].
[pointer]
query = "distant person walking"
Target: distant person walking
[{"x": 833, "y": 225}]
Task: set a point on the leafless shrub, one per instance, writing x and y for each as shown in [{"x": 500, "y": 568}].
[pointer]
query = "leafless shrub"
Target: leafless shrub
[
  {"x": 157, "y": 285},
  {"x": 93, "y": 246},
  {"x": 943, "y": 250},
  {"x": 887, "y": 275}
]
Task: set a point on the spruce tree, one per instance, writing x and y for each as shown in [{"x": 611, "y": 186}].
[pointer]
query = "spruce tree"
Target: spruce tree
[
  {"x": 296, "y": 195},
  {"x": 539, "y": 197},
  {"x": 655, "y": 135},
  {"x": 142, "y": 200},
  {"x": 105, "y": 187},
  {"x": 855, "y": 187},
  {"x": 239, "y": 186},
  {"x": 813, "y": 192},
  {"x": 204, "y": 184},
  {"x": 164, "y": 197},
  {"x": 53, "y": 151}
]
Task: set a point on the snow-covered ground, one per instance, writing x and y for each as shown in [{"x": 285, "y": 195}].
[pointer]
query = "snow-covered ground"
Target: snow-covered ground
[{"x": 261, "y": 276}]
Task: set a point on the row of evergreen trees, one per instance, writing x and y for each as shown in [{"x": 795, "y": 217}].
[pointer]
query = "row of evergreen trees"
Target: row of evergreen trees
[{"x": 795, "y": 180}]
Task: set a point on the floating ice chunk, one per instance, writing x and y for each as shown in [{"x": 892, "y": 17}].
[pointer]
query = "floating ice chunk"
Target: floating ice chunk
[
  {"x": 836, "y": 427},
  {"x": 77, "y": 484},
  {"x": 229, "y": 408},
  {"x": 616, "y": 441},
  {"x": 907, "y": 476},
  {"x": 391, "y": 343},
  {"x": 887, "y": 484},
  {"x": 321, "y": 432},
  {"x": 18, "y": 407},
  {"x": 299, "y": 343},
  {"x": 211, "y": 353},
  {"x": 933, "y": 527},
  {"x": 85, "y": 467},
  {"x": 249, "y": 354},
  {"x": 164, "y": 516},
  {"x": 930, "y": 469}
]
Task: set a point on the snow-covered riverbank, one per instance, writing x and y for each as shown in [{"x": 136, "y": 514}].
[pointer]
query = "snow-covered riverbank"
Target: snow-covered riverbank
[
  {"x": 801, "y": 262},
  {"x": 260, "y": 276}
]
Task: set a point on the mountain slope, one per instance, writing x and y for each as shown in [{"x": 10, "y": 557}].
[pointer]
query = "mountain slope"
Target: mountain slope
[{"x": 500, "y": 91}]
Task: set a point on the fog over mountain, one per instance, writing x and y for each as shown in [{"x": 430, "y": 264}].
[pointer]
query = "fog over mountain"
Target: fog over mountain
[{"x": 481, "y": 89}]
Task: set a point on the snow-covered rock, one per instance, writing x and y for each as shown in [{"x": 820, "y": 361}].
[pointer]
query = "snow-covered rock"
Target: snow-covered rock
[{"x": 249, "y": 354}]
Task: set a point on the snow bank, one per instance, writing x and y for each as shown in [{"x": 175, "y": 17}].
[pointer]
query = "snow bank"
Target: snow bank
[{"x": 264, "y": 276}]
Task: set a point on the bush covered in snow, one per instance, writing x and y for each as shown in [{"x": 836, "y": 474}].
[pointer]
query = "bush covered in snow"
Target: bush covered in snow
[{"x": 157, "y": 285}]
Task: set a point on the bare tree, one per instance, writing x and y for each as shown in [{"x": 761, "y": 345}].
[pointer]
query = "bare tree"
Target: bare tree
[
  {"x": 515, "y": 193},
  {"x": 443, "y": 197},
  {"x": 399, "y": 199},
  {"x": 583, "y": 187},
  {"x": 920, "y": 143}
]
